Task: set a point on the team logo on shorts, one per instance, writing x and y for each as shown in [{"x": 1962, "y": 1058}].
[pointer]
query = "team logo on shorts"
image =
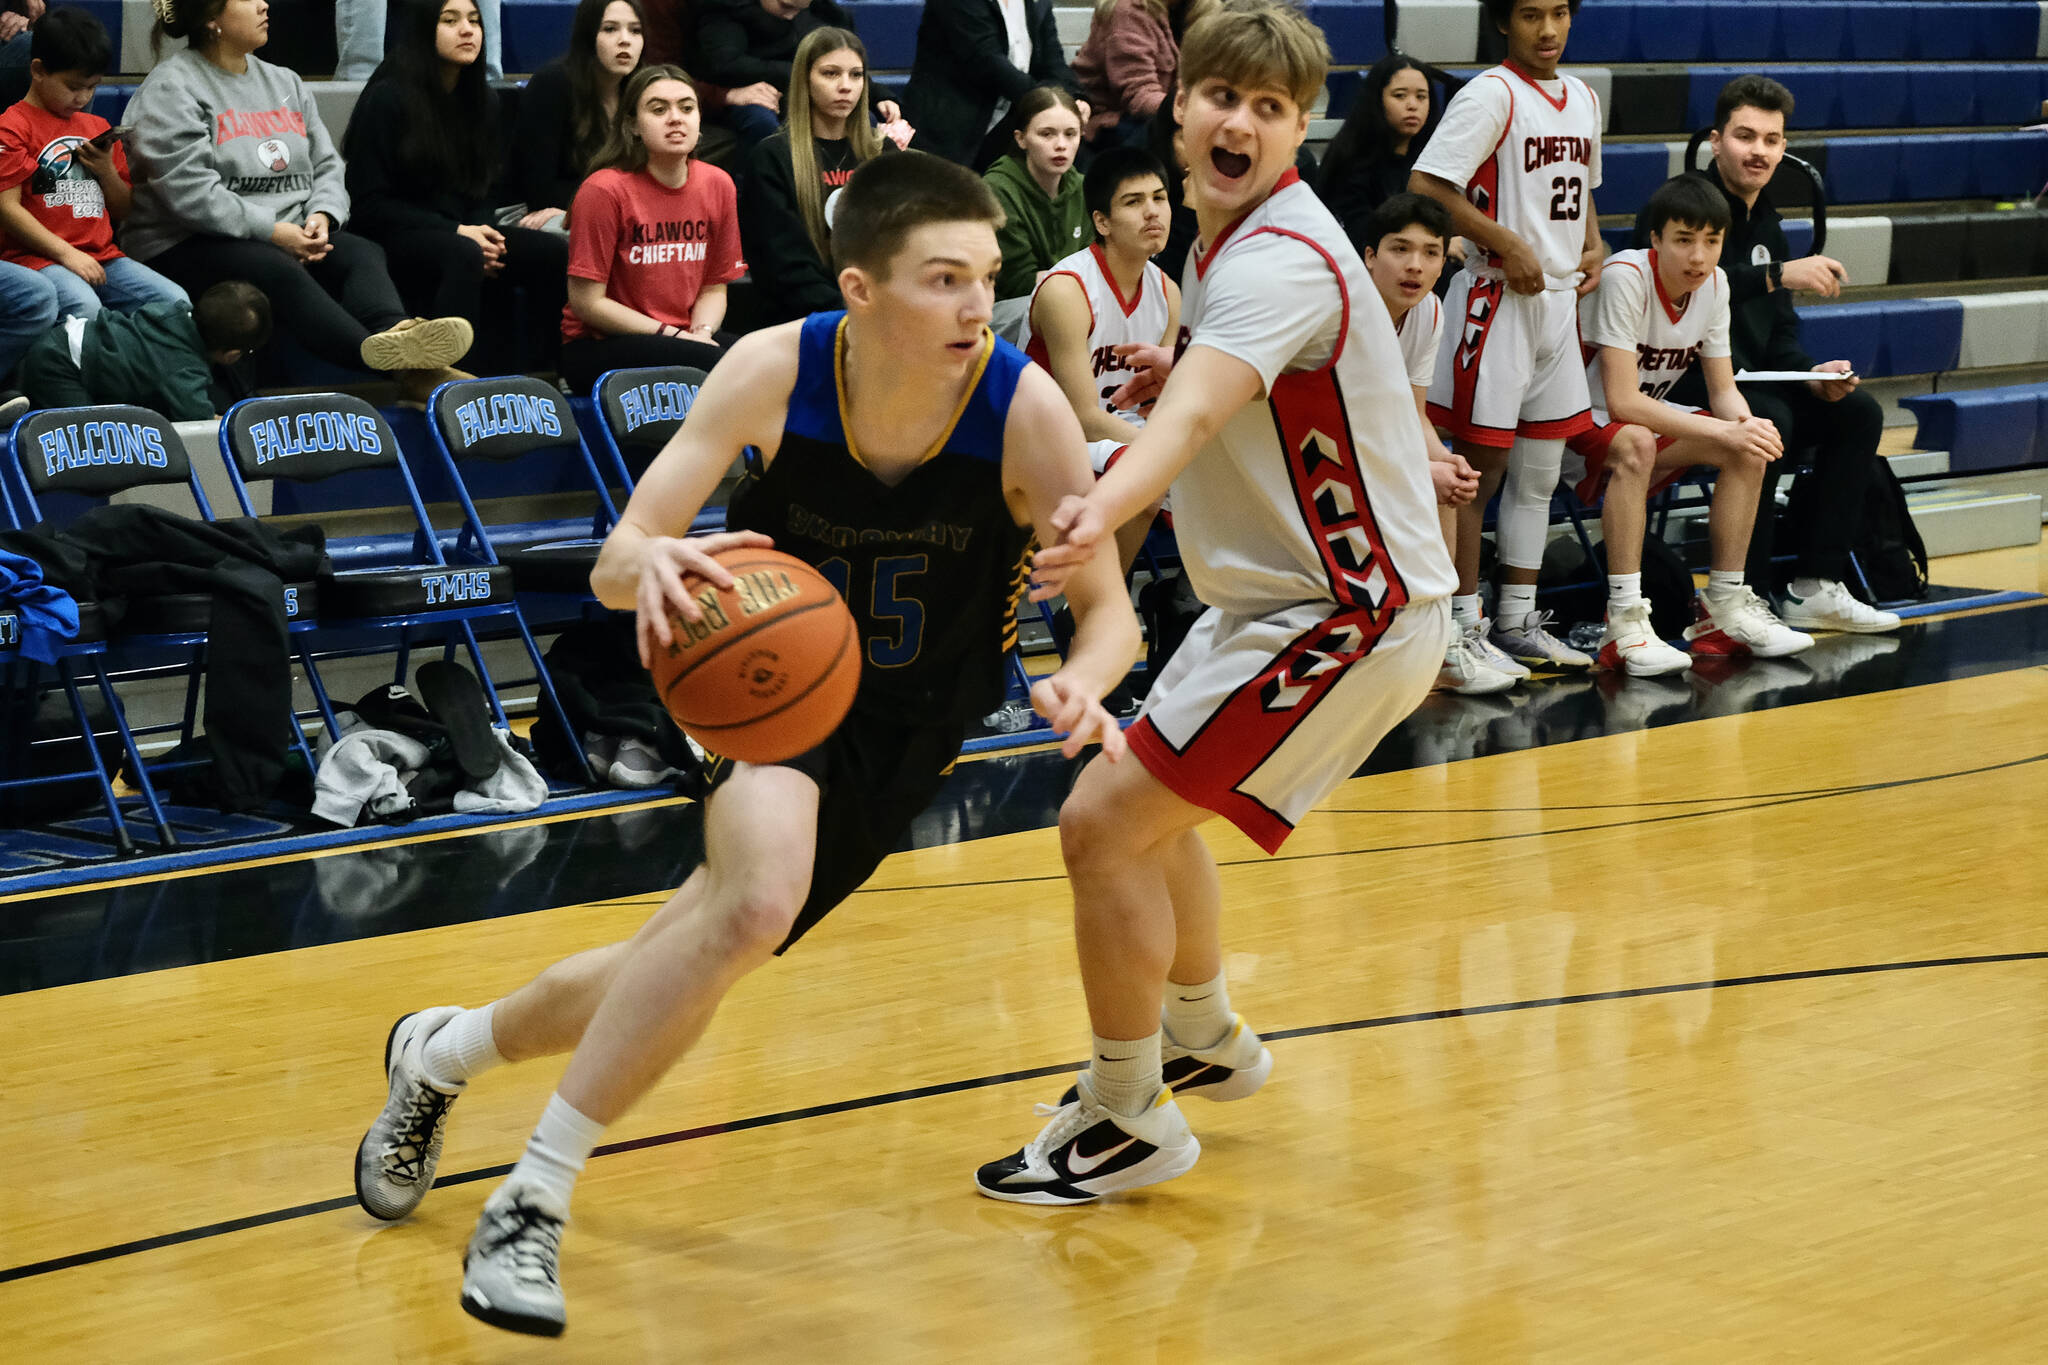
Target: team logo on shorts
[
  {"x": 1287, "y": 689},
  {"x": 274, "y": 154}
]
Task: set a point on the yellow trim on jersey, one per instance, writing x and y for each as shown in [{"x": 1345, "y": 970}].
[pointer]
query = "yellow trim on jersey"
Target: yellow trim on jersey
[
  {"x": 988, "y": 349},
  {"x": 1020, "y": 584}
]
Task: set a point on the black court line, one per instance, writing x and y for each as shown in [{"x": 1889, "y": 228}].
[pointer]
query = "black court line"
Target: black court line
[
  {"x": 1749, "y": 804},
  {"x": 297, "y": 1211}
]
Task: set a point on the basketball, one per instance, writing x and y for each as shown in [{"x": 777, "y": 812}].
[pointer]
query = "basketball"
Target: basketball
[{"x": 771, "y": 669}]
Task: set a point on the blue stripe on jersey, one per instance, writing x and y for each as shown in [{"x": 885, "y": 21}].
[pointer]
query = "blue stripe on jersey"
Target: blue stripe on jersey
[{"x": 814, "y": 402}]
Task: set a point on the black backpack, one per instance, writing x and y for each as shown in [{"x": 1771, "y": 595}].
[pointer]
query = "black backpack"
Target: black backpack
[{"x": 1889, "y": 550}]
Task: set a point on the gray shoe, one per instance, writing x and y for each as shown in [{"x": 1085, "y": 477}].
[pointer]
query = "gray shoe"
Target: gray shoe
[
  {"x": 509, "y": 1275},
  {"x": 396, "y": 1159}
]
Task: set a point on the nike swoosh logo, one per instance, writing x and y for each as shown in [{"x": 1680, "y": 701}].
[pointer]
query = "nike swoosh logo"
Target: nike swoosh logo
[{"x": 1080, "y": 1165}]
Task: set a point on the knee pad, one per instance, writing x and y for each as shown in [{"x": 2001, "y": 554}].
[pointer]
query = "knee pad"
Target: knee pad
[{"x": 1522, "y": 525}]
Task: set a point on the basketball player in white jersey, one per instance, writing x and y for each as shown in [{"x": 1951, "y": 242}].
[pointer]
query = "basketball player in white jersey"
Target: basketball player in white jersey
[
  {"x": 1407, "y": 238},
  {"x": 1306, "y": 521},
  {"x": 1516, "y": 159},
  {"x": 1095, "y": 306},
  {"x": 1656, "y": 314}
]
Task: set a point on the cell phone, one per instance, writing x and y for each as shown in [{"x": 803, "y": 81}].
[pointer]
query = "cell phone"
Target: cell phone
[{"x": 106, "y": 139}]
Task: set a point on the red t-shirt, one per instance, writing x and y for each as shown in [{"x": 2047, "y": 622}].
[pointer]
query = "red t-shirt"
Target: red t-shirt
[
  {"x": 653, "y": 248},
  {"x": 75, "y": 208}
]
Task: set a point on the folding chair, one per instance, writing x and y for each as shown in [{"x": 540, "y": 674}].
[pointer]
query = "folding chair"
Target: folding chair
[
  {"x": 638, "y": 410},
  {"x": 308, "y": 438}
]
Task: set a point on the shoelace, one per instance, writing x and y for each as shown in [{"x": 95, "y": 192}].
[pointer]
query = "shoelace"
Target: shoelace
[
  {"x": 1537, "y": 630},
  {"x": 422, "y": 1125},
  {"x": 1066, "y": 1121},
  {"x": 532, "y": 1238}
]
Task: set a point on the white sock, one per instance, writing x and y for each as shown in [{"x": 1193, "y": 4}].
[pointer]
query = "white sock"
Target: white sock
[
  {"x": 1624, "y": 590},
  {"x": 554, "y": 1156},
  {"x": 1124, "y": 1073},
  {"x": 1465, "y": 611},
  {"x": 1808, "y": 587},
  {"x": 1198, "y": 1016},
  {"x": 461, "y": 1048},
  {"x": 1721, "y": 582},
  {"x": 1516, "y": 605}
]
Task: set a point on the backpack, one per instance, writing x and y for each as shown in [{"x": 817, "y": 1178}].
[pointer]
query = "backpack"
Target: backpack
[{"x": 1889, "y": 551}]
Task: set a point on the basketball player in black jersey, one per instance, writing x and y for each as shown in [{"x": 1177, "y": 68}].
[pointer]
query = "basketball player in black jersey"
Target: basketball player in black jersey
[{"x": 907, "y": 453}]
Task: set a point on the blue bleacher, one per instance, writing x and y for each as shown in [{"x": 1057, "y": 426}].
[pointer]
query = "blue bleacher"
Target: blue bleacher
[
  {"x": 1901, "y": 95},
  {"x": 889, "y": 29},
  {"x": 1982, "y": 428},
  {"x": 1804, "y": 31},
  {"x": 1848, "y": 331},
  {"x": 1878, "y": 31},
  {"x": 1921, "y": 336},
  {"x": 1630, "y": 173},
  {"x": 536, "y": 32}
]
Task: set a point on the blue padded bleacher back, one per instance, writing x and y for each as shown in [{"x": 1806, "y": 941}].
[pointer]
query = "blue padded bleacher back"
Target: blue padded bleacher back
[
  {"x": 1356, "y": 31},
  {"x": 888, "y": 28},
  {"x": 536, "y": 31},
  {"x": 1942, "y": 93},
  {"x": 1680, "y": 26},
  {"x": 1629, "y": 174},
  {"x": 1862, "y": 170},
  {"x": 1813, "y": 30},
  {"x": 2008, "y": 165},
  {"x": 1873, "y": 97},
  {"x": 1739, "y": 33},
  {"x": 1604, "y": 33},
  {"x": 2005, "y": 31},
  {"x": 1846, "y": 331},
  {"x": 1944, "y": 32},
  {"x": 1816, "y": 96},
  {"x": 1798, "y": 238},
  {"x": 1934, "y": 167},
  {"x": 2006, "y": 93},
  {"x": 1878, "y": 31},
  {"x": 1981, "y": 428},
  {"x": 1922, "y": 336}
]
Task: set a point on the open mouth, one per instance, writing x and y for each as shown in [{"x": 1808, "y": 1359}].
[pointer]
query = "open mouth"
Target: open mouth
[{"x": 1230, "y": 165}]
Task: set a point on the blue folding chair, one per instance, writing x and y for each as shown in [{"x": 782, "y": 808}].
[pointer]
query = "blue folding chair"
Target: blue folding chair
[
  {"x": 638, "y": 410},
  {"x": 374, "y": 609}
]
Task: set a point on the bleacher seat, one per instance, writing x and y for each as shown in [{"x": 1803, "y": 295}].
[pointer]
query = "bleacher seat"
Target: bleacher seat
[
  {"x": 1630, "y": 173},
  {"x": 1921, "y": 336},
  {"x": 1356, "y": 31},
  {"x": 1981, "y": 428},
  {"x": 1735, "y": 33},
  {"x": 2000, "y": 245},
  {"x": 1812, "y": 30},
  {"x": 1873, "y": 97},
  {"x": 1877, "y": 31},
  {"x": 1862, "y": 170},
  {"x": 1934, "y": 167},
  {"x": 888, "y": 28},
  {"x": 2003, "y": 329},
  {"x": 1845, "y": 331},
  {"x": 536, "y": 31},
  {"x": 1941, "y": 93}
]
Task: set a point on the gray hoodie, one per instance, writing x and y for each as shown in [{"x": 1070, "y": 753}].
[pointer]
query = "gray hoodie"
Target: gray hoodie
[{"x": 232, "y": 156}]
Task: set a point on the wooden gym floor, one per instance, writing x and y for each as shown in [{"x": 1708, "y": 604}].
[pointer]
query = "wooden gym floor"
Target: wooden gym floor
[{"x": 1700, "y": 1024}]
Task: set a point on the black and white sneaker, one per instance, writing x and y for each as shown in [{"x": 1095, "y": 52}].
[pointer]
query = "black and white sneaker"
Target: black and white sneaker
[
  {"x": 510, "y": 1277},
  {"x": 1230, "y": 1070},
  {"x": 1087, "y": 1151},
  {"x": 395, "y": 1160}
]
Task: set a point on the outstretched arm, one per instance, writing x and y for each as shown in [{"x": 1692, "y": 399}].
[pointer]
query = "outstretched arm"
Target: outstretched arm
[{"x": 1045, "y": 464}]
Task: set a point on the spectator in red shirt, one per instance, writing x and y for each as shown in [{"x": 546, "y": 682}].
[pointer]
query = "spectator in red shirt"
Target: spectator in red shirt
[
  {"x": 654, "y": 238},
  {"x": 63, "y": 180}
]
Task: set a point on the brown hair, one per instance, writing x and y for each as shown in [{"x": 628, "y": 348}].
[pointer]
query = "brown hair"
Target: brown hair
[
  {"x": 1751, "y": 92},
  {"x": 861, "y": 135},
  {"x": 623, "y": 150},
  {"x": 892, "y": 196},
  {"x": 1257, "y": 44}
]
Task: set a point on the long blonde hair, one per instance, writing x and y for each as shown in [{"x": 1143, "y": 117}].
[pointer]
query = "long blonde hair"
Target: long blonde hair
[
  {"x": 861, "y": 134},
  {"x": 623, "y": 149}
]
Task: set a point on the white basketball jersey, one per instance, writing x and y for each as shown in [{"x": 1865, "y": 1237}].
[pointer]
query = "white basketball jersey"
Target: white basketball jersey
[
  {"x": 1421, "y": 331},
  {"x": 1321, "y": 492},
  {"x": 1116, "y": 321},
  {"x": 1630, "y": 311},
  {"x": 1529, "y": 158}
]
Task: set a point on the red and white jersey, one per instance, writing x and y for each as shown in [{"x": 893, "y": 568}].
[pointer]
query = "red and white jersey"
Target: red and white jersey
[
  {"x": 1421, "y": 333},
  {"x": 1631, "y": 312},
  {"x": 1528, "y": 154},
  {"x": 1322, "y": 492},
  {"x": 1115, "y": 320}
]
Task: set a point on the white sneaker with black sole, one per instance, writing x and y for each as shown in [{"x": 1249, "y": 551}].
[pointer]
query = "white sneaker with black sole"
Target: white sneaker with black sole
[
  {"x": 1087, "y": 1151},
  {"x": 510, "y": 1274},
  {"x": 1230, "y": 1070},
  {"x": 395, "y": 1160},
  {"x": 1834, "y": 607}
]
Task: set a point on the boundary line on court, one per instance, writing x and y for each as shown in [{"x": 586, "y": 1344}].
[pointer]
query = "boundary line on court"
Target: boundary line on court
[{"x": 119, "y": 1250}]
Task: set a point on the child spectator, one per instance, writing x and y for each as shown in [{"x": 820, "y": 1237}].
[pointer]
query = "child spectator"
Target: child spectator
[
  {"x": 653, "y": 240},
  {"x": 423, "y": 158},
  {"x": 785, "y": 224},
  {"x": 570, "y": 105},
  {"x": 1045, "y": 211},
  {"x": 240, "y": 181},
  {"x": 1126, "y": 67},
  {"x": 64, "y": 176},
  {"x": 159, "y": 356},
  {"x": 1372, "y": 155}
]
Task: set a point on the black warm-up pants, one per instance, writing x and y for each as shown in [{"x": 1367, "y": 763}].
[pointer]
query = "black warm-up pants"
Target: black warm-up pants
[
  {"x": 1842, "y": 439},
  {"x": 441, "y": 274}
]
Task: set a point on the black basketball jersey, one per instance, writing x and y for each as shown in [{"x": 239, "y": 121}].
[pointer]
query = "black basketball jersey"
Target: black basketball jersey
[{"x": 932, "y": 568}]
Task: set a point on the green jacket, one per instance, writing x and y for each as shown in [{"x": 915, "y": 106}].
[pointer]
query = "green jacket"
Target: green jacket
[
  {"x": 1038, "y": 231},
  {"x": 152, "y": 357}
]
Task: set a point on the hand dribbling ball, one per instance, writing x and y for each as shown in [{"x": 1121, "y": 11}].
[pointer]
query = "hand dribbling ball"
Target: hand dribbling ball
[{"x": 771, "y": 669}]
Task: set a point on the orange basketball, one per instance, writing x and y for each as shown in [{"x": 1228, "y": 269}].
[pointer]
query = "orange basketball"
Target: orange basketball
[{"x": 771, "y": 669}]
